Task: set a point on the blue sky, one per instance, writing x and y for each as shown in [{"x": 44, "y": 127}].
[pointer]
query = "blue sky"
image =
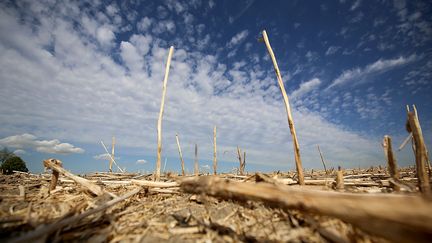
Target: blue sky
[{"x": 76, "y": 73}]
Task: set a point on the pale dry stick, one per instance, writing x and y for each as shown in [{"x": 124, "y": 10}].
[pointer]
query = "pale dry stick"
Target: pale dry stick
[
  {"x": 427, "y": 152},
  {"x": 420, "y": 152},
  {"x": 95, "y": 189},
  {"x": 159, "y": 184},
  {"x": 405, "y": 142},
  {"x": 55, "y": 175},
  {"x": 22, "y": 193},
  {"x": 366, "y": 175},
  {"x": 299, "y": 166},
  {"x": 391, "y": 161},
  {"x": 244, "y": 161},
  {"x": 181, "y": 156},
  {"x": 159, "y": 191},
  {"x": 323, "y": 182},
  {"x": 339, "y": 179},
  {"x": 240, "y": 160},
  {"x": 112, "y": 158},
  {"x": 112, "y": 154},
  {"x": 186, "y": 230},
  {"x": 384, "y": 215},
  {"x": 196, "y": 168},
  {"x": 165, "y": 164},
  {"x": 27, "y": 218},
  {"x": 429, "y": 163},
  {"x": 159, "y": 124},
  {"x": 129, "y": 182},
  {"x": 44, "y": 231},
  {"x": 322, "y": 159},
  {"x": 214, "y": 152}
]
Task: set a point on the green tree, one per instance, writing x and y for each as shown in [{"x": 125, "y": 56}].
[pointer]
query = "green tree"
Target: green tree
[
  {"x": 5, "y": 154},
  {"x": 13, "y": 163}
]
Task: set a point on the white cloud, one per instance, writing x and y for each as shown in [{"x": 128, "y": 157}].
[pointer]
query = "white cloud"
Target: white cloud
[
  {"x": 211, "y": 4},
  {"x": 177, "y": 6},
  {"x": 305, "y": 88},
  {"x": 188, "y": 19},
  {"x": 248, "y": 46},
  {"x": 372, "y": 106},
  {"x": 378, "y": 22},
  {"x": 385, "y": 46},
  {"x": 104, "y": 156},
  {"x": 332, "y": 50},
  {"x": 112, "y": 9},
  {"x": 144, "y": 24},
  {"x": 105, "y": 35},
  {"x": 357, "y": 18},
  {"x": 19, "y": 151},
  {"x": 380, "y": 66},
  {"x": 162, "y": 12},
  {"x": 239, "y": 37},
  {"x": 400, "y": 6},
  {"x": 130, "y": 56},
  {"x": 232, "y": 53},
  {"x": 355, "y": 5},
  {"x": 142, "y": 43},
  {"x": 164, "y": 26},
  {"x": 311, "y": 56},
  {"x": 44, "y": 146},
  {"x": 141, "y": 161}
]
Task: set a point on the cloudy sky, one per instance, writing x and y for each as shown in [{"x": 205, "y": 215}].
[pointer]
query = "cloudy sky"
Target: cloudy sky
[{"x": 75, "y": 73}]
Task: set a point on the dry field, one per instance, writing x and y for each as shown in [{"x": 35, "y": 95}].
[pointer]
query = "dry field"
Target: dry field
[{"x": 361, "y": 205}]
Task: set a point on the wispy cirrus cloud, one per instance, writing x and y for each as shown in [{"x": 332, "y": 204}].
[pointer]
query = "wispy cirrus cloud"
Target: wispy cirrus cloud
[
  {"x": 358, "y": 74},
  {"x": 239, "y": 37},
  {"x": 244, "y": 8},
  {"x": 305, "y": 88},
  {"x": 355, "y": 5},
  {"x": 104, "y": 156},
  {"x": 332, "y": 50}
]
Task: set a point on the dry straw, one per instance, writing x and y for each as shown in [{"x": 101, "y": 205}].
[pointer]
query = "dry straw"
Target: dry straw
[
  {"x": 288, "y": 110},
  {"x": 181, "y": 155},
  {"x": 159, "y": 124}
]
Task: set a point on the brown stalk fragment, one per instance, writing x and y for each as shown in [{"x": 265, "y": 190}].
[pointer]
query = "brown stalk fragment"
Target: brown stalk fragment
[
  {"x": 391, "y": 161},
  {"x": 196, "y": 168},
  {"x": 413, "y": 125},
  {"x": 382, "y": 215},
  {"x": 339, "y": 179},
  {"x": 242, "y": 161},
  {"x": 54, "y": 165},
  {"x": 55, "y": 173}
]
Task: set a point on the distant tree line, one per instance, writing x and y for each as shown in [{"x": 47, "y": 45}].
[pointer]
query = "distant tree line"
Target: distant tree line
[{"x": 10, "y": 162}]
